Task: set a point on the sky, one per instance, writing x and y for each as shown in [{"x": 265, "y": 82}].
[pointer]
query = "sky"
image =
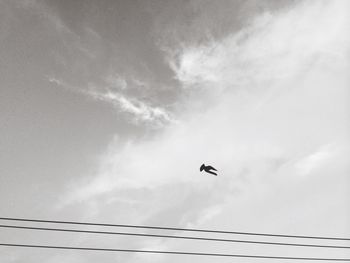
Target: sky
[{"x": 108, "y": 108}]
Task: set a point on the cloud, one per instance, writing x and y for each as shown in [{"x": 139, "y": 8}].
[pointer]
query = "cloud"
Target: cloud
[
  {"x": 139, "y": 111},
  {"x": 45, "y": 12},
  {"x": 151, "y": 245},
  {"x": 273, "y": 96},
  {"x": 274, "y": 46},
  {"x": 315, "y": 160},
  {"x": 115, "y": 81},
  {"x": 234, "y": 132},
  {"x": 56, "y": 81}
]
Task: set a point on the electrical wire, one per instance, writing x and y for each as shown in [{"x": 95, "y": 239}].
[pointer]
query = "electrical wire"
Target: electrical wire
[
  {"x": 174, "y": 252},
  {"x": 173, "y": 236},
  {"x": 172, "y": 228}
]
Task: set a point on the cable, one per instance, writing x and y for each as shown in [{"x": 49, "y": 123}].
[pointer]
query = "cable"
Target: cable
[
  {"x": 171, "y": 236},
  {"x": 171, "y": 228},
  {"x": 173, "y": 252}
]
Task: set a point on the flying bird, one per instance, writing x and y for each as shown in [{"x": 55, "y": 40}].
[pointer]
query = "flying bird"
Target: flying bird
[{"x": 208, "y": 169}]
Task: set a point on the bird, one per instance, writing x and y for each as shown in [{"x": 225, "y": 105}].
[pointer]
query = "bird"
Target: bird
[{"x": 208, "y": 169}]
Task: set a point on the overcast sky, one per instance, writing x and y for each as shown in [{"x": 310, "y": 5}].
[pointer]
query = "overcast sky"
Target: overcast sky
[{"x": 108, "y": 108}]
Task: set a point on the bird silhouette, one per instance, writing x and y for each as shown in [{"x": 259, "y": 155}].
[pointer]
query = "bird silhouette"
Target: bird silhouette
[{"x": 208, "y": 169}]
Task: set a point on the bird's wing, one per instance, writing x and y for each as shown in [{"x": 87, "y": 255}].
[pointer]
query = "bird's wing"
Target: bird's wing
[
  {"x": 202, "y": 167},
  {"x": 212, "y": 173},
  {"x": 211, "y": 168}
]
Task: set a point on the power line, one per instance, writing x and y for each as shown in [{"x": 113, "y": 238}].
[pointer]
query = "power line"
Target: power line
[
  {"x": 174, "y": 252},
  {"x": 174, "y": 237},
  {"x": 171, "y": 228}
]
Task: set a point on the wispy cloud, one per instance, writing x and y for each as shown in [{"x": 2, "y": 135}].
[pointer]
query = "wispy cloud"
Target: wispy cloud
[
  {"x": 41, "y": 8},
  {"x": 315, "y": 160},
  {"x": 117, "y": 82},
  {"x": 281, "y": 62},
  {"x": 276, "y": 50},
  {"x": 272, "y": 46},
  {"x": 140, "y": 111}
]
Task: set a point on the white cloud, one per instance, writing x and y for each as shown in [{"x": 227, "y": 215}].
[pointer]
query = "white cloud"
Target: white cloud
[
  {"x": 313, "y": 161},
  {"x": 116, "y": 82},
  {"x": 140, "y": 111},
  {"x": 151, "y": 245},
  {"x": 279, "y": 92},
  {"x": 274, "y": 46},
  {"x": 55, "y": 81},
  {"x": 233, "y": 133}
]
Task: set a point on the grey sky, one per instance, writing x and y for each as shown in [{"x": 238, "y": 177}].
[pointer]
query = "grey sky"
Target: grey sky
[{"x": 108, "y": 108}]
